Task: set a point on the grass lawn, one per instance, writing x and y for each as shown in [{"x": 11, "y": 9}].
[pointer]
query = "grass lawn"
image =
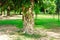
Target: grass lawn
[
  {"x": 18, "y": 23},
  {"x": 42, "y": 23}
]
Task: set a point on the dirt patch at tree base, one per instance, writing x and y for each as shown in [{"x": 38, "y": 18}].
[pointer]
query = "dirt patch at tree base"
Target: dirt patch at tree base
[
  {"x": 7, "y": 29},
  {"x": 9, "y": 32}
]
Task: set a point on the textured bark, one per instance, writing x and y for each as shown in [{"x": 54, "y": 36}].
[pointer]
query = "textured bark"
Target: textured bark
[
  {"x": 8, "y": 11},
  {"x": 28, "y": 19},
  {"x": 28, "y": 23}
]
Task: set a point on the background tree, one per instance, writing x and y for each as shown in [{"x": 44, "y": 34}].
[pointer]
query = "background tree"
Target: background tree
[
  {"x": 37, "y": 6},
  {"x": 49, "y": 6},
  {"x": 2, "y": 6},
  {"x": 58, "y": 7}
]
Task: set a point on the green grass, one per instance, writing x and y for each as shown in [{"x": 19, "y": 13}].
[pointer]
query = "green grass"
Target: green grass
[
  {"x": 42, "y": 23},
  {"x": 18, "y": 23},
  {"x": 47, "y": 23}
]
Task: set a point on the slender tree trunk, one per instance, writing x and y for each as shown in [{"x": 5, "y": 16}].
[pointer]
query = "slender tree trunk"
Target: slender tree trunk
[
  {"x": 45, "y": 11},
  {"x": 8, "y": 13},
  {"x": 4, "y": 12},
  {"x": 36, "y": 16},
  {"x": 58, "y": 17},
  {"x": 20, "y": 13},
  {"x": 1, "y": 12},
  {"x": 14, "y": 12},
  {"x": 53, "y": 15}
]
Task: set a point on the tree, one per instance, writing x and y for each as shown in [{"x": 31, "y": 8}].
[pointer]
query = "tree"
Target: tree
[
  {"x": 49, "y": 6},
  {"x": 9, "y": 4},
  {"x": 37, "y": 6},
  {"x": 28, "y": 17},
  {"x": 2, "y": 6},
  {"x": 58, "y": 8},
  {"x": 27, "y": 7}
]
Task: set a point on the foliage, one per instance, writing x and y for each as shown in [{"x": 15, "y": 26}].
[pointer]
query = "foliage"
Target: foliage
[
  {"x": 49, "y": 5},
  {"x": 58, "y": 5}
]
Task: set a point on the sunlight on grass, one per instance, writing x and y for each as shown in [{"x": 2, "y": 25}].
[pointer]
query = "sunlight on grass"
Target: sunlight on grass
[{"x": 42, "y": 23}]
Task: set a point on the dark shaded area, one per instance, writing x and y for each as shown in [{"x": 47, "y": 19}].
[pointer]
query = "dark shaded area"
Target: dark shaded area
[{"x": 32, "y": 36}]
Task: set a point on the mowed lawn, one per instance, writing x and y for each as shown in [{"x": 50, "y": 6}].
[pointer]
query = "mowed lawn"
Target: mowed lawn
[{"x": 42, "y": 21}]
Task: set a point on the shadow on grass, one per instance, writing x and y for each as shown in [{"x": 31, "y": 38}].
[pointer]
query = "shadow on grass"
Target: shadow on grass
[{"x": 32, "y": 35}]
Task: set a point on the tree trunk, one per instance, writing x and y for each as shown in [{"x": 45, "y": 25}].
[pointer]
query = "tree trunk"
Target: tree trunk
[
  {"x": 28, "y": 19},
  {"x": 36, "y": 16},
  {"x": 15, "y": 12},
  {"x": 1, "y": 12},
  {"x": 58, "y": 13},
  {"x": 4, "y": 12},
  {"x": 8, "y": 13},
  {"x": 28, "y": 23},
  {"x": 45, "y": 11}
]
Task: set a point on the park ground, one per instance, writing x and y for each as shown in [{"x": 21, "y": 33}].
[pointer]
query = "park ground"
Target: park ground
[{"x": 10, "y": 28}]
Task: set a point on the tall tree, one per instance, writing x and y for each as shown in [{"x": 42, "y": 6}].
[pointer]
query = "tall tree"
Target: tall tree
[
  {"x": 9, "y": 4},
  {"x": 58, "y": 7},
  {"x": 2, "y": 6},
  {"x": 28, "y": 17}
]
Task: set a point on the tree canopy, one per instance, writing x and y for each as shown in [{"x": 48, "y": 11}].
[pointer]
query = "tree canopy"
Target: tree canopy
[{"x": 46, "y": 5}]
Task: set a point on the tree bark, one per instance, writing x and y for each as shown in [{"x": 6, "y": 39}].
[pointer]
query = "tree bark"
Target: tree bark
[
  {"x": 8, "y": 11},
  {"x": 28, "y": 19},
  {"x": 28, "y": 23}
]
